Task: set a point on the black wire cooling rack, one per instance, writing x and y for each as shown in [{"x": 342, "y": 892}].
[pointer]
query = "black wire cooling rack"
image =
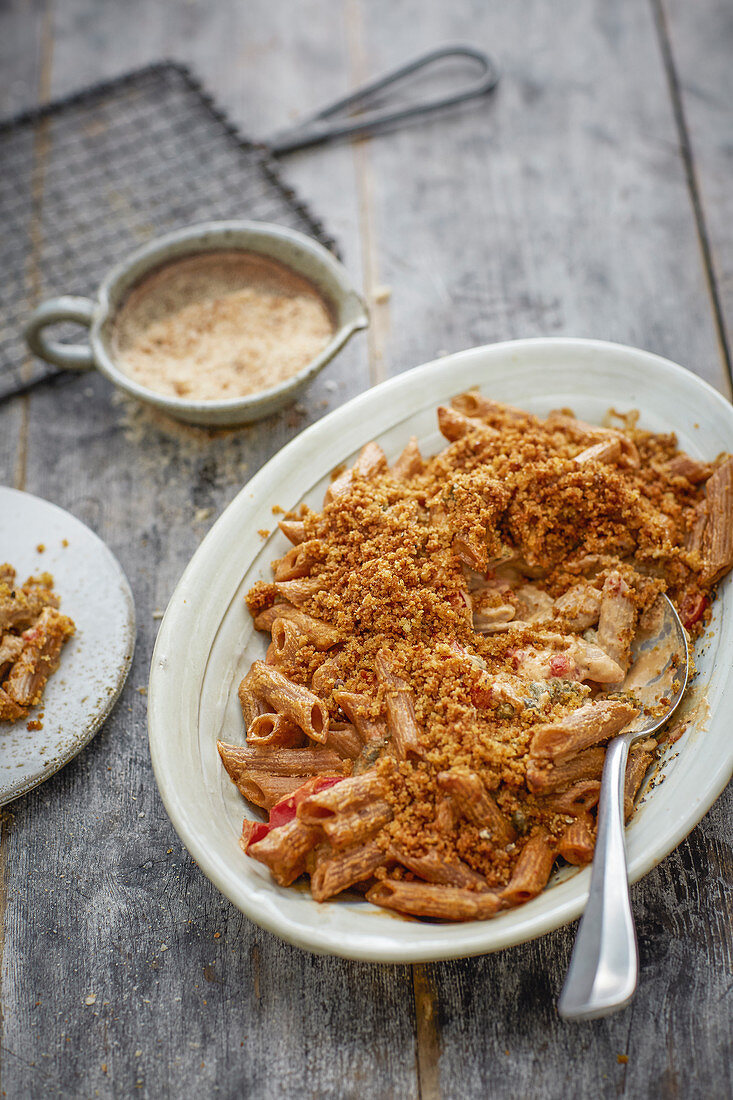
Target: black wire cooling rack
[{"x": 86, "y": 179}]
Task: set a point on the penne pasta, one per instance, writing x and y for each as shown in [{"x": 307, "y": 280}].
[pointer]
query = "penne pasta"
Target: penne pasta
[
  {"x": 267, "y": 790},
  {"x": 293, "y": 529},
  {"x": 318, "y": 634},
  {"x": 401, "y": 722},
  {"x": 577, "y": 841},
  {"x": 636, "y": 768},
  {"x": 532, "y": 870},
  {"x": 343, "y": 797},
  {"x": 455, "y": 425},
  {"x": 298, "y": 562},
  {"x": 372, "y": 460},
  {"x": 544, "y": 777},
  {"x": 293, "y": 701},
  {"x": 338, "y": 871},
  {"x": 419, "y": 899},
  {"x": 356, "y": 825},
  {"x": 433, "y": 869},
  {"x": 578, "y": 799},
  {"x": 410, "y": 462},
  {"x": 275, "y": 730},
  {"x": 476, "y": 804},
  {"x": 589, "y": 724},
  {"x": 355, "y": 707},
  {"x": 617, "y": 621},
  {"x": 285, "y": 850},
  {"x": 344, "y": 739},
  {"x": 244, "y": 759},
  {"x": 287, "y": 642},
  {"x": 299, "y": 590}
]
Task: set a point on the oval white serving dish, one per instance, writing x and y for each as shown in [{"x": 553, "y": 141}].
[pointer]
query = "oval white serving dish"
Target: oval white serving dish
[{"x": 206, "y": 641}]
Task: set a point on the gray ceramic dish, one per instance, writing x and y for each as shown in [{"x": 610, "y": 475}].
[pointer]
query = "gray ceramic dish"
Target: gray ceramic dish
[{"x": 298, "y": 252}]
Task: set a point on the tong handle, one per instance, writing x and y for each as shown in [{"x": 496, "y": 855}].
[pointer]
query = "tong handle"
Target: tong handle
[{"x": 317, "y": 128}]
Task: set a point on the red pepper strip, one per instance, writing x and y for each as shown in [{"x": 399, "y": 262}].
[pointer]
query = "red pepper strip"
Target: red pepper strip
[
  {"x": 252, "y": 831},
  {"x": 692, "y": 609},
  {"x": 285, "y": 810}
]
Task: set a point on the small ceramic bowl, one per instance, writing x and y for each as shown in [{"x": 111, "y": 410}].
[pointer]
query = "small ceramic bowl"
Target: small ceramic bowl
[{"x": 300, "y": 253}]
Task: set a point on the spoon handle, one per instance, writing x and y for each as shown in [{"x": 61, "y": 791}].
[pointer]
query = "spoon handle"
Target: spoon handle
[{"x": 605, "y": 963}]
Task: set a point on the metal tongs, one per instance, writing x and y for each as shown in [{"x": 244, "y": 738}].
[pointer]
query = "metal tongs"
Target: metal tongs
[{"x": 348, "y": 117}]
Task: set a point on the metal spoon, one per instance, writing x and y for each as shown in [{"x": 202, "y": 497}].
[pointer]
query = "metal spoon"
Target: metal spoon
[{"x": 605, "y": 963}]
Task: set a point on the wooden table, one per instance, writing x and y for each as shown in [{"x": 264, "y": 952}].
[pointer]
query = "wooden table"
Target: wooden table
[{"x": 590, "y": 196}]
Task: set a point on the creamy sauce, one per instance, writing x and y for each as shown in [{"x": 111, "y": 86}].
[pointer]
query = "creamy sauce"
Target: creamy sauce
[{"x": 219, "y": 325}]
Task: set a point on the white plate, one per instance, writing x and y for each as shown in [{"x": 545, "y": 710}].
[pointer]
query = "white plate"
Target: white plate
[
  {"x": 207, "y": 642},
  {"x": 94, "y": 663}
]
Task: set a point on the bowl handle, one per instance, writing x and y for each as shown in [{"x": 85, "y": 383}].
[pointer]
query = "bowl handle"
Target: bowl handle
[{"x": 66, "y": 308}]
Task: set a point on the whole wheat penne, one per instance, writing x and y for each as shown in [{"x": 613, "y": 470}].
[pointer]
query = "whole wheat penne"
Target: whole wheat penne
[
  {"x": 337, "y": 871},
  {"x": 11, "y": 648},
  {"x": 577, "y": 841},
  {"x": 420, "y": 899},
  {"x": 475, "y": 404},
  {"x": 284, "y": 850},
  {"x": 267, "y": 790},
  {"x": 20, "y": 607},
  {"x": 410, "y": 463},
  {"x": 581, "y": 432},
  {"x": 298, "y": 562},
  {"x": 39, "y": 656},
  {"x": 9, "y": 709},
  {"x": 300, "y": 589},
  {"x": 543, "y": 777},
  {"x": 287, "y": 641},
  {"x": 325, "y": 676},
  {"x": 446, "y": 815},
  {"x": 433, "y": 868},
  {"x": 401, "y": 720},
  {"x": 617, "y": 620},
  {"x": 355, "y": 707},
  {"x": 691, "y": 469},
  {"x": 319, "y": 634},
  {"x": 455, "y": 425},
  {"x": 636, "y": 768},
  {"x": 343, "y": 739},
  {"x": 275, "y": 730},
  {"x": 341, "y": 797},
  {"x": 476, "y": 804},
  {"x": 532, "y": 869},
  {"x": 293, "y": 529},
  {"x": 371, "y": 461},
  {"x": 579, "y": 798},
  {"x": 291, "y": 700},
  {"x": 608, "y": 450},
  {"x": 251, "y": 699},
  {"x": 245, "y": 759},
  {"x": 580, "y": 606},
  {"x": 357, "y": 825},
  {"x": 717, "y": 535},
  {"x": 586, "y": 726}
]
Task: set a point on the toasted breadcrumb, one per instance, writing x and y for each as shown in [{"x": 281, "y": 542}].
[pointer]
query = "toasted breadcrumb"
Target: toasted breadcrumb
[{"x": 405, "y": 561}]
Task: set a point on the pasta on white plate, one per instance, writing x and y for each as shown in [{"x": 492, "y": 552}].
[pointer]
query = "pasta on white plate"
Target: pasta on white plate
[{"x": 449, "y": 640}]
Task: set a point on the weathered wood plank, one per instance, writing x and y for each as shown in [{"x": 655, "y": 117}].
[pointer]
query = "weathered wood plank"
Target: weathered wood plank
[
  {"x": 96, "y": 891},
  {"x": 699, "y": 41},
  {"x": 559, "y": 206}
]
